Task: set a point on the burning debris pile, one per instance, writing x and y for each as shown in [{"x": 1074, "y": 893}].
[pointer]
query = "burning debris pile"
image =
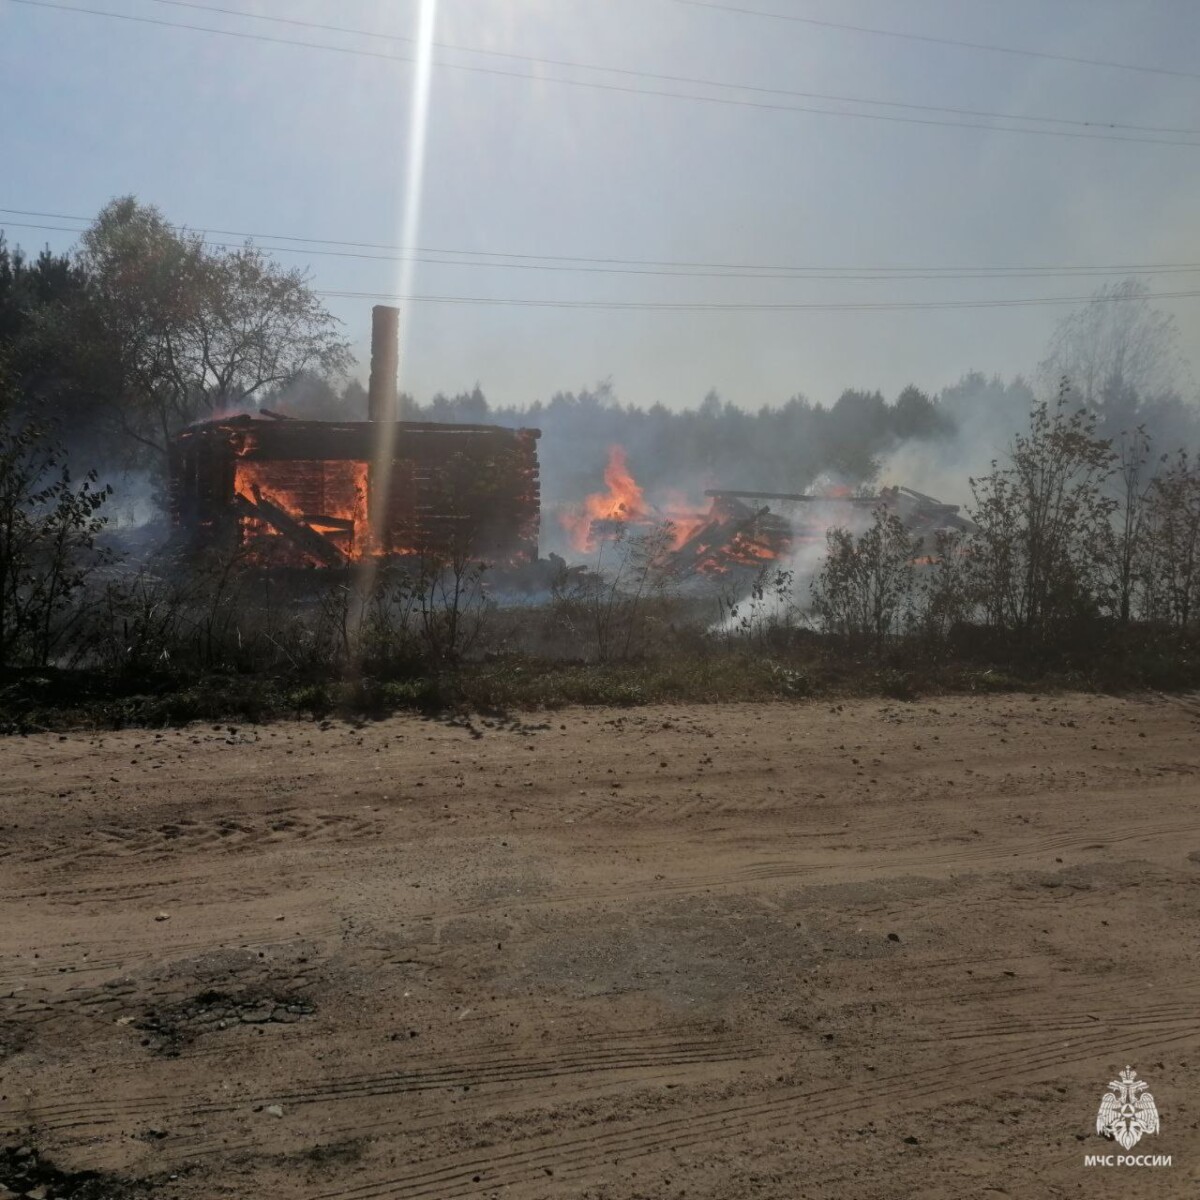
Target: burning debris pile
[
  {"x": 922, "y": 515},
  {"x": 731, "y": 535},
  {"x": 738, "y": 532},
  {"x": 621, "y": 507},
  {"x": 734, "y": 535}
]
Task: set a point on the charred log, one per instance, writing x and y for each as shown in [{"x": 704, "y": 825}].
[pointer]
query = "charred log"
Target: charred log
[
  {"x": 296, "y": 529},
  {"x": 734, "y": 536}
]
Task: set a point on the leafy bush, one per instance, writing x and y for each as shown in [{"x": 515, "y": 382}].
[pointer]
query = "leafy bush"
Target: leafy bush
[{"x": 865, "y": 588}]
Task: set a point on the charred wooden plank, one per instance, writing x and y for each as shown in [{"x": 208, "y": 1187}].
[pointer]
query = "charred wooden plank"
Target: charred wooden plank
[
  {"x": 302, "y": 534},
  {"x": 341, "y": 524},
  {"x": 718, "y": 493}
]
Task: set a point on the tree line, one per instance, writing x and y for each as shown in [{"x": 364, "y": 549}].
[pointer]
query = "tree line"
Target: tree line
[{"x": 1074, "y": 533}]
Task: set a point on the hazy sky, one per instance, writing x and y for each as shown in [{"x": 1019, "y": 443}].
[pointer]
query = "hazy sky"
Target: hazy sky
[{"x": 235, "y": 134}]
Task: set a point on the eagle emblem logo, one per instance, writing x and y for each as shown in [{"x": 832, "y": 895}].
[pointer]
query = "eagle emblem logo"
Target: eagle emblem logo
[{"x": 1127, "y": 1110}]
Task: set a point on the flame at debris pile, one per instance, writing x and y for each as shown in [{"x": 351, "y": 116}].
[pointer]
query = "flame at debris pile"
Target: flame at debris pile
[
  {"x": 728, "y": 536},
  {"x": 623, "y": 506},
  {"x": 734, "y": 536},
  {"x": 739, "y": 532},
  {"x": 602, "y": 513}
]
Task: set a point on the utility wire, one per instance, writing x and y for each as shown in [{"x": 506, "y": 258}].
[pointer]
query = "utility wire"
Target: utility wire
[
  {"x": 648, "y": 267},
  {"x": 939, "y": 41},
  {"x": 685, "y": 306},
  {"x": 655, "y": 306},
  {"x": 685, "y": 79},
  {"x": 727, "y": 101},
  {"x": 682, "y": 270}
]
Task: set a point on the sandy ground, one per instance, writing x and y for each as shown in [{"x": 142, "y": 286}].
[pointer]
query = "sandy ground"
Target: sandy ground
[{"x": 878, "y": 950}]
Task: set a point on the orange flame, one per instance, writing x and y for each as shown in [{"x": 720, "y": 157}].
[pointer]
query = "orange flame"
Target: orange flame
[
  {"x": 329, "y": 496},
  {"x": 623, "y": 502}
]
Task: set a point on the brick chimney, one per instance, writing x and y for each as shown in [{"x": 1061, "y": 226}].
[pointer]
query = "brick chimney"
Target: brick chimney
[{"x": 385, "y": 363}]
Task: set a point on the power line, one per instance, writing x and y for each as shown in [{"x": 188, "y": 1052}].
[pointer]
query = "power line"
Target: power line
[
  {"x": 740, "y": 306},
  {"x": 656, "y": 306},
  {"x": 684, "y": 270},
  {"x": 662, "y": 78},
  {"x": 939, "y": 41},
  {"x": 727, "y": 101}
]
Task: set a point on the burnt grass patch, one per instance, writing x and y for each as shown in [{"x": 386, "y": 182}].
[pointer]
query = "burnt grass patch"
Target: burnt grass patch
[
  {"x": 326, "y": 1156},
  {"x": 171, "y": 1027},
  {"x": 13, "y": 1039},
  {"x": 24, "y": 1172}
]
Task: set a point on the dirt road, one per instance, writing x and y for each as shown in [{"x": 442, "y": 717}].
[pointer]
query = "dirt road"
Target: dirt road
[{"x": 870, "y": 951}]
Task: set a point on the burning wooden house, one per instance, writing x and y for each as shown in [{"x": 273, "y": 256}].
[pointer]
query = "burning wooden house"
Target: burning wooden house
[{"x": 323, "y": 493}]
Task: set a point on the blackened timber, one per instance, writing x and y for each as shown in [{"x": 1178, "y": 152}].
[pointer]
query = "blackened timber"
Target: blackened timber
[
  {"x": 304, "y": 535},
  {"x": 719, "y": 536},
  {"x": 339, "y": 523},
  {"x": 718, "y": 493}
]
